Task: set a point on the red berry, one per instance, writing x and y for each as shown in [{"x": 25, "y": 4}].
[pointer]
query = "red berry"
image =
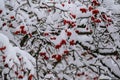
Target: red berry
[
  {"x": 3, "y": 60},
  {"x": 22, "y": 27},
  {"x": 92, "y": 18},
  {"x": 69, "y": 22},
  {"x": 109, "y": 20},
  {"x": 30, "y": 77},
  {"x": 59, "y": 79},
  {"x": 3, "y": 24},
  {"x": 74, "y": 16},
  {"x": 49, "y": 10},
  {"x": 57, "y": 46},
  {"x": 12, "y": 17},
  {"x": 22, "y": 70},
  {"x": 69, "y": 33},
  {"x": 6, "y": 65},
  {"x": 77, "y": 31},
  {"x": 95, "y": 3},
  {"x": 3, "y": 57},
  {"x": 83, "y": 10},
  {"x": 20, "y": 59},
  {"x": 90, "y": 8},
  {"x": 86, "y": 28},
  {"x": 95, "y": 78},
  {"x": 62, "y": 42},
  {"x": 20, "y": 77},
  {"x": 63, "y": 5},
  {"x": 58, "y": 57},
  {"x": 46, "y": 58},
  {"x": 78, "y": 74},
  {"x": 42, "y": 53},
  {"x": 104, "y": 16},
  {"x": 53, "y": 38},
  {"x": 82, "y": 73},
  {"x": 97, "y": 21},
  {"x": 17, "y": 32},
  {"x": 3, "y": 48},
  {"x": 24, "y": 32},
  {"x": 16, "y": 72},
  {"x": 1, "y": 11},
  {"x": 10, "y": 25},
  {"x": 95, "y": 11},
  {"x": 53, "y": 56},
  {"x": 73, "y": 24},
  {"x": 116, "y": 57},
  {"x": 65, "y": 22},
  {"x": 66, "y": 52},
  {"x": 72, "y": 42},
  {"x": 65, "y": 30},
  {"x": 0, "y": 49},
  {"x": 91, "y": 31},
  {"x": 46, "y": 34}
]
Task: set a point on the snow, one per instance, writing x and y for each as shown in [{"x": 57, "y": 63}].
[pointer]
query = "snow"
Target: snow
[
  {"x": 12, "y": 54},
  {"x": 116, "y": 9},
  {"x": 49, "y": 76},
  {"x": 112, "y": 65},
  {"x": 102, "y": 9},
  {"x": 49, "y": 19},
  {"x": 2, "y": 6},
  {"x": 104, "y": 77},
  {"x": 83, "y": 21},
  {"x": 110, "y": 5}
]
